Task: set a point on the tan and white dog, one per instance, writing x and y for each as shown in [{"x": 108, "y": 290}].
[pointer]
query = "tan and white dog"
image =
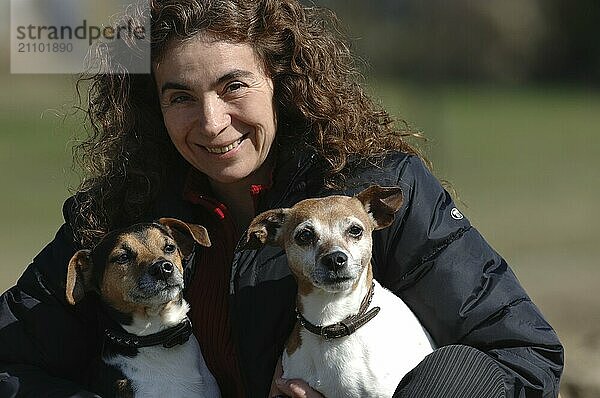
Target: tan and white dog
[
  {"x": 353, "y": 337},
  {"x": 148, "y": 341}
]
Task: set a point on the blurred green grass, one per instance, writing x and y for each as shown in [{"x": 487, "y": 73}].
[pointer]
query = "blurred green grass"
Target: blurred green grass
[
  {"x": 35, "y": 165},
  {"x": 525, "y": 161}
]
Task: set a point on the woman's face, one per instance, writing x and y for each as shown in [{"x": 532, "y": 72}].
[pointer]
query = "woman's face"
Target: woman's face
[{"x": 217, "y": 105}]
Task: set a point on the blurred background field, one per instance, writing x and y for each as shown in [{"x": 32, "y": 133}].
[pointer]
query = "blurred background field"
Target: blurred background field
[{"x": 508, "y": 94}]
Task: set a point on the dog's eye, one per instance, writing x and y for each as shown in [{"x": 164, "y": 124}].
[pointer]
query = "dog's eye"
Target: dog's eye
[
  {"x": 169, "y": 249},
  {"x": 122, "y": 259},
  {"x": 305, "y": 237},
  {"x": 355, "y": 231}
]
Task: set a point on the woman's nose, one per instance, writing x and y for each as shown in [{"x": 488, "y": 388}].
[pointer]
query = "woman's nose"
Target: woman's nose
[{"x": 213, "y": 117}]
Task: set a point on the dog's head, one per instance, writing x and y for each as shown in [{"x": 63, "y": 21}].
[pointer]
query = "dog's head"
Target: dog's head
[
  {"x": 328, "y": 240},
  {"x": 135, "y": 268}
]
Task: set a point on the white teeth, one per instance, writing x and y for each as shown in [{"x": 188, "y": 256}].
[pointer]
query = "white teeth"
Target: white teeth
[{"x": 224, "y": 149}]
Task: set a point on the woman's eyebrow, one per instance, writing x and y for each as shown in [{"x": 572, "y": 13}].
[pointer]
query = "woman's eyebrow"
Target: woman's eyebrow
[
  {"x": 231, "y": 75},
  {"x": 173, "y": 86},
  {"x": 234, "y": 74}
]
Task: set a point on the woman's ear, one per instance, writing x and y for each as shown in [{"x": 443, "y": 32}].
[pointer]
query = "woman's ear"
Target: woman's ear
[{"x": 265, "y": 229}]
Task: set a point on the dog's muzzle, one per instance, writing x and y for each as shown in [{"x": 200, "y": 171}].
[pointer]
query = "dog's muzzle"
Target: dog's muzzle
[
  {"x": 161, "y": 282},
  {"x": 334, "y": 271}
]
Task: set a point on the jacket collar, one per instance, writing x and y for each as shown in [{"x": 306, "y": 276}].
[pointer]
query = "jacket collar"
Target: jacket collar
[{"x": 293, "y": 177}]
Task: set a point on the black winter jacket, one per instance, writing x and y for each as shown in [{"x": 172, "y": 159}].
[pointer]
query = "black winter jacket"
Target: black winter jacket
[{"x": 461, "y": 290}]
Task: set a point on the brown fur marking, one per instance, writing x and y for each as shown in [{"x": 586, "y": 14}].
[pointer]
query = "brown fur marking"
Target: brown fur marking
[
  {"x": 294, "y": 340},
  {"x": 305, "y": 287},
  {"x": 329, "y": 210},
  {"x": 78, "y": 276}
]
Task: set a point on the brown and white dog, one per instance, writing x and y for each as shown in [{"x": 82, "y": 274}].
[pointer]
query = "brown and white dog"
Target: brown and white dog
[
  {"x": 138, "y": 274},
  {"x": 353, "y": 337}
]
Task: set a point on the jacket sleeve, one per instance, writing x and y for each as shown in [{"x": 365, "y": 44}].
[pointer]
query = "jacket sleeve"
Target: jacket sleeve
[
  {"x": 45, "y": 345},
  {"x": 461, "y": 290}
]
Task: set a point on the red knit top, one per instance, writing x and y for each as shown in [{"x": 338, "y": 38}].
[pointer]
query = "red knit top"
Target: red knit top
[{"x": 208, "y": 293}]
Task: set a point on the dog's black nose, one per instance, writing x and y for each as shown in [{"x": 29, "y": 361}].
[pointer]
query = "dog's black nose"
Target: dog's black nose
[
  {"x": 334, "y": 261},
  {"x": 161, "y": 269}
]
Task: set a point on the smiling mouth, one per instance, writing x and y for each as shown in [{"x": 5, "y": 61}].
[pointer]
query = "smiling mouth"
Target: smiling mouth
[{"x": 227, "y": 148}]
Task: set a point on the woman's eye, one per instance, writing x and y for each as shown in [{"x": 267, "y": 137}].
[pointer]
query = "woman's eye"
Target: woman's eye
[
  {"x": 180, "y": 98},
  {"x": 355, "y": 231},
  {"x": 235, "y": 86},
  {"x": 170, "y": 249},
  {"x": 305, "y": 237}
]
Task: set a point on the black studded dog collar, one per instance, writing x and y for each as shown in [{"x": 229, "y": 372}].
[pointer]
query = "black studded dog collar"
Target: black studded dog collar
[{"x": 168, "y": 338}]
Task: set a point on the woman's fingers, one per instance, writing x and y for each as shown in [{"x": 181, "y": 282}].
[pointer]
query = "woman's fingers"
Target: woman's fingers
[{"x": 296, "y": 388}]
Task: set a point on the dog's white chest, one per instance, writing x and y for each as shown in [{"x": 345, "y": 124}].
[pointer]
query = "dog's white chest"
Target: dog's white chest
[
  {"x": 179, "y": 371},
  {"x": 369, "y": 363}
]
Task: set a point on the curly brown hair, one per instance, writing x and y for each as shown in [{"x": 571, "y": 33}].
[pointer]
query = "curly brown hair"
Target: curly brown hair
[{"x": 317, "y": 93}]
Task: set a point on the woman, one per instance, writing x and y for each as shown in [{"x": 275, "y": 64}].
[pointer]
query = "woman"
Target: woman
[{"x": 254, "y": 105}]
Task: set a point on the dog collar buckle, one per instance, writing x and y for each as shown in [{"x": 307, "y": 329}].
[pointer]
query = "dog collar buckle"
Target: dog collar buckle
[{"x": 328, "y": 333}]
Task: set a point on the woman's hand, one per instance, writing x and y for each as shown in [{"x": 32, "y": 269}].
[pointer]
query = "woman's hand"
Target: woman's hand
[{"x": 295, "y": 388}]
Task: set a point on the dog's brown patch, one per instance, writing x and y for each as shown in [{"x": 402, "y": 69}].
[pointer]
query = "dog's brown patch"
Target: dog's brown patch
[
  {"x": 369, "y": 279},
  {"x": 305, "y": 287},
  {"x": 294, "y": 340},
  {"x": 115, "y": 287},
  {"x": 186, "y": 234},
  {"x": 79, "y": 275},
  {"x": 150, "y": 245},
  {"x": 381, "y": 203},
  {"x": 330, "y": 210}
]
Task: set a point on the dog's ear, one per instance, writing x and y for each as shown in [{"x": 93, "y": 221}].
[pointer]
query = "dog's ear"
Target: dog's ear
[
  {"x": 186, "y": 234},
  {"x": 381, "y": 203},
  {"x": 79, "y": 275},
  {"x": 265, "y": 229}
]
